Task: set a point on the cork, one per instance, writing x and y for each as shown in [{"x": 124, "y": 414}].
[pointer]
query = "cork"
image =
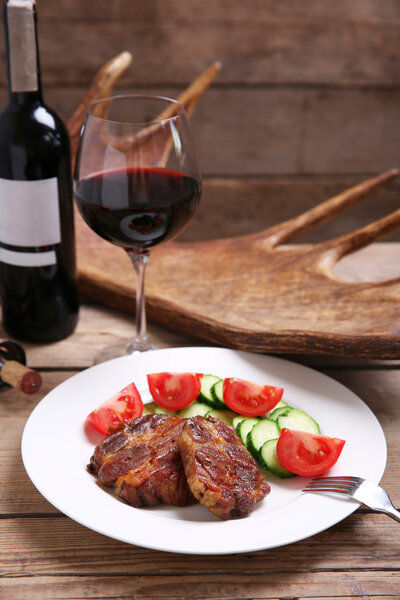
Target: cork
[{"x": 19, "y": 376}]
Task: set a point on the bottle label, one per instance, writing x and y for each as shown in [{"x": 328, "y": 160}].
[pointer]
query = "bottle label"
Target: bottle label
[
  {"x": 29, "y": 222},
  {"x": 22, "y": 45}
]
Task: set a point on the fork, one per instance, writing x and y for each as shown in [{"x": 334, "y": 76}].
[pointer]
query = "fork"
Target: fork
[{"x": 363, "y": 491}]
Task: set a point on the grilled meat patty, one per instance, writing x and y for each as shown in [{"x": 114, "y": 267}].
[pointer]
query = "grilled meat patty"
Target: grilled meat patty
[
  {"x": 142, "y": 461},
  {"x": 221, "y": 472}
]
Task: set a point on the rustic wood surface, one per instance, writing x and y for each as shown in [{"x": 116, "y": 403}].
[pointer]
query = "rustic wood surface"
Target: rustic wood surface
[
  {"x": 45, "y": 555},
  {"x": 258, "y": 41},
  {"x": 285, "y": 131}
]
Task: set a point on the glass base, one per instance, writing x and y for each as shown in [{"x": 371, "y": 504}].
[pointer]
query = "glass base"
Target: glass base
[
  {"x": 123, "y": 347},
  {"x": 139, "y": 345}
]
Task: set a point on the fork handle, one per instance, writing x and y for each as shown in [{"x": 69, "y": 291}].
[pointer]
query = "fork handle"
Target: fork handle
[{"x": 391, "y": 512}]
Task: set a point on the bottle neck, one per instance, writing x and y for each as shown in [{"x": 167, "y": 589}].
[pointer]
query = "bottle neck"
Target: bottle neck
[{"x": 22, "y": 52}]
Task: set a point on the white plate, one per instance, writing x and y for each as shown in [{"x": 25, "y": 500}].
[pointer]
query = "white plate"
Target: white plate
[{"x": 56, "y": 450}]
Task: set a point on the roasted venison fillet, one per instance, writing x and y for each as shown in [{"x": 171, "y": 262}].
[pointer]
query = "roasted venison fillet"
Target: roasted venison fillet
[
  {"x": 221, "y": 472},
  {"x": 142, "y": 461}
]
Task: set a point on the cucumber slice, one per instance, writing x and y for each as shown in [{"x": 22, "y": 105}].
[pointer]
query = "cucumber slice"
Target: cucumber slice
[
  {"x": 262, "y": 431},
  {"x": 206, "y": 395},
  {"x": 280, "y": 404},
  {"x": 237, "y": 420},
  {"x": 148, "y": 409},
  {"x": 297, "y": 419},
  {"x": 226, "y": 416},
  {"x": 281, "y": 411},
  {"x": 194, "y": 409},
  {"x": 158, "y": 410},
  {"x": 217, "y": 393},
  {"x": 270, "y": 459},
  {"x": 245, "y": 427}
]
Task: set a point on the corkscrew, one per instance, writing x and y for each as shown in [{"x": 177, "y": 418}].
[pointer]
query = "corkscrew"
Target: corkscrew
[{"x": 13, "y": 369}]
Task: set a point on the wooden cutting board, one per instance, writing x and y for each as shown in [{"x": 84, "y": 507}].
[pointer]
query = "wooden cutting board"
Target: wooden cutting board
[{"x": 251, "y": 293}]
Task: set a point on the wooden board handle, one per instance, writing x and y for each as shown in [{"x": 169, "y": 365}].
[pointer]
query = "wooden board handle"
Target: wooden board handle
[{"x": 21, "y": 377}]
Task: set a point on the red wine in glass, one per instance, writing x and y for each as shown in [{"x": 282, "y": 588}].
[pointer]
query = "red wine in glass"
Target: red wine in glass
[{"x": 138, "y": 208}]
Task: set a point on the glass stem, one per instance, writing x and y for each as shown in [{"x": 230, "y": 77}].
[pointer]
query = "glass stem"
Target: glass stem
[{"x": 141, "y": 342}]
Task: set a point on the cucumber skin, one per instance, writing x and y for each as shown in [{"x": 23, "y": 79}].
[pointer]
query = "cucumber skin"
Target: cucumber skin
[
  {"x": 278, "y": 473},
  {"x": 217, "y": 397},
  {"x": 280, "y": 404},
  {"x": 239, "y": 429},
  {"x": 282, "y": 424},
  {"x": 236, "y": 422},
  {"x": 284, "y": 474},
  {"x": 210, "y": 401},
  {"x": 281, "y": 411},
  {"x": 255, "y": 452}
]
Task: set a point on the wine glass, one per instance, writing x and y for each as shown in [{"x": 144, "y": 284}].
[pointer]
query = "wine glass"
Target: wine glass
[{"x": 136, "y": 182}]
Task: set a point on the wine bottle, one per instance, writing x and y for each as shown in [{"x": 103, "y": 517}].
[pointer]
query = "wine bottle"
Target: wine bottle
[{"x": 38, "y": 290}]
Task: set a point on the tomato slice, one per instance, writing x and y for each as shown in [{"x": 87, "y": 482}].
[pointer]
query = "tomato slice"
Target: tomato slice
[
  {"x": 174, "y": 391},
  {"x": 124, "y": 406},
  {"x": 307, "y": 453},
  {"x": 248, "y": 398}
]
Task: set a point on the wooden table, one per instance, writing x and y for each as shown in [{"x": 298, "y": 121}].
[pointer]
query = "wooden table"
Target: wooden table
[{"x": 45, "y": 555}]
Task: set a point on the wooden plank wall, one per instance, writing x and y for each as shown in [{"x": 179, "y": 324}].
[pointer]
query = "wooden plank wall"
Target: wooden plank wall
[{"x": 306, "y": 104}]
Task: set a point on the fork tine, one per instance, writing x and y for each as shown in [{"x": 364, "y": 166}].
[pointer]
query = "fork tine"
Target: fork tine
[
  {"x": 339, "y": 484},
  {"x": 334, "y": 489},
  {"x": 343, "y": 484},
  {"x": 344, "y": 487},
  {"x": 333, "y": 477},
  {"x": 341, "y": 478}
]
